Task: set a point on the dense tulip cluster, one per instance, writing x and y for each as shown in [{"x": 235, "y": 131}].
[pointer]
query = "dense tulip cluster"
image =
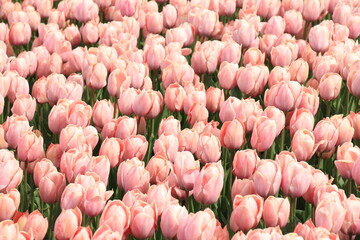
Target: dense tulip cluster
[{"x": 201, "y": 119}]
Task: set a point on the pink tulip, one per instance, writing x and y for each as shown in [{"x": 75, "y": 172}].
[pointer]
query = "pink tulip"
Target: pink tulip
[
  {"x": 352, "y": 216},
  {"x": 169, "y": 14},
  {"x": 209, "y": 183},
  {"x": 185, "y": 171},
  {"x": 171, "y": 218},
  {"x": 200, "y": 225},
  {"x": 95, "y": 198},
  {"x": 41, "y": 169},
  {"x": 214, "y": 99},
  {"x": 295, "y": 180},
  {"x": 159, "y": 168},
  {"x": 252, "y": 79},
  {"x": 188, "y": 140},
  {"x": 264, "y": 133},
  {"x": 283, "y": 95},
  {"x": 309, "y": 231},
  {"x": 9, "y": 204},
  {"x": 82, "y": 233},
  {"x": 116, "y": 215},
  {"x": 324, "y": 64},
  {"x": 143, "y": 221},
  {"x": 245, "y": 33},
  {"x": 208, "y": 148},
  {"x": 273, "y": 113},
  {"x": 113, "y": 148},
  {"x": 267, "y": 177},
  {"x": 232, "y": 134},
  {"x": 103, "y": 112},
  {"x": 303, "y": 144},
  {"x": 148, "y": 103},
  {"x": 244, "y": 163},
  {"x": 132, "y": 174},
  {"x": 330, "y": 85},
  {"x": 346, "y": 156},
  {"x": 174, "y": 97},
  {"x": 346, "y": 131},
  {"x": 254, "y": 56},
  {"x": 355, "y": 121},
  {"x": 226, "y": 75},
  {"x": 330, "y": 214},
  {"x": 20, "y": 33},
  {"x": 30, "y": 147},
  {"x": 309, "y": 99},
  {"x": 135, "y": 146},
  {"x": 317, "y": 43},
  {"x": 246, "y": 213},
  {"x": 353, "y": 81},
  {"x": 79, "y": 113},
  {"x": 67, "y": 223},
  {"x": 276, "y": 211},
  {"x": 326, "y": 134},
  {"x": 51, "y": 186},
  {"x": 72, "y": 137},
  {"x": 281, "y": 55},
  {"x": 301, "y": 119},
  {"x": 74, "y": 162}
]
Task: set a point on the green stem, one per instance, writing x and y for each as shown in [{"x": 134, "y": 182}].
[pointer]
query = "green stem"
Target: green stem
[
  {"x": 349, "y": 185},
  {"x": 51, "y": 212},
  {"x": 25, "y": 186},
  {"x": 282, "y": 139},
  {"x": 92, "y": 96},
  {"x": 347, "y": 101},
  {"x": 328, "y": 108},
  {"x": 293, "y": 202},
  {"x": 320, "y": 164}
]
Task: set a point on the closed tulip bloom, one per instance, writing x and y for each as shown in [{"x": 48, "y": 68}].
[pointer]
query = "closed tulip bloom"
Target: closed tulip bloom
[
  {"x": 283, "y": 95},
  {"x": 245, "y": 33},
  {"x": 74, "y": 162},
  {"x": 9, "y": 204},
  {"x": 299, "y": 70},
  {"x": 355, "y": 121},
  {"x": 281, "y": 55},
  {"x": 301, "y": 118},
  {"x": 295, "y": 180},
  {"x": 227, "y": 75},
  {"x": 308, "y": 231},
  {"x": 330, "y": 214},
  {"x": 135, "y": 146},
  {"x": 197, "y": 112},
  {"x": 232, "y": 134},
  {"x": 72, "y": 137},
  {"x": 116, "y": 215},
  {"x": 276, "y": 211},
  {"x": 252, "y": 79},
  {"x": 37, "y": 224},
  {"x": 246, "y": 212},
  {"x": 89, "y": 33},
  {"x": 132, "y": 174},
  {"x": 254, "y": 56},
  {"x": 174, "y": 97},
  {"x": 125, "y": 127},
  {"x": 67, "y": 223},
  {"x": 72, "y": 196},
  {"x": 113, "y": 148},
  {"x": 15, "y": 127},
  {"x": 169, "y": 14},
  {"x": 346, "y": 131},
  {"x": 103, "y": 112},
  {"x": 244, "y": 163},
  {"x": 309, "y": 99},
  {"x": 143, "y": 221},
  {"x": 169, "y": 124},
  {"x": 324, "y": 64},
  {"x": 200, "y": 225},
  {"x": 96, "y": 77},
  {"x": 95, "y": 198},
  {"x": 293, "y": 21},
  {"x": 330, "y": 86},
  {"x": 167, "y": 143},
  {"x": 171, "y": 218},
  {"x": 188, "y": 140},
  {"x": 319, "y": 38},
  {"x": 82, "y": 233},
  {"x": 160, "y": 196},
  {"x": 30, "y": 147},
  {"x": 352, "y": 82},
  {"x": 303, "y": 144},
  {"x": 209, "y": 148},
  {"x": 346, "y": 156},
  {"x": 326, "y": 134},
  {"x": 273, "y": 113},
  {"x": 51, "y": 186},
  {"x": 229, "y": 109},
  {"x": 154, "y": 22},
  {"x": 41, "y": 169},
  {"x": 185, "y": 171},
  {"x": 126, "y": 101},
  {"x": 12, "y": 175},
  {"x": 209, "y": 183},
  {"x": 20, "y": 33},
  {"x": 312, "y": 10},
  {"x": 214, "y": 99},
  {"x": 242, "y": 187},
  {"x": 159, "y": 168},
  {"x": 264, "y": 133},
  {"x": 277, "y": 75},
  {"x": 350, "y": 224},
  {"x": 79, "y": 113},
  {"x": 267, "y": 177},
  {"x": 148, "y": 104},
  {"x": 275, "y": 25}
]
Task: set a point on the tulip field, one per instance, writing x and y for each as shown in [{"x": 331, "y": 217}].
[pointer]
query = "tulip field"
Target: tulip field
[{"x": 183, "y": 120}]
